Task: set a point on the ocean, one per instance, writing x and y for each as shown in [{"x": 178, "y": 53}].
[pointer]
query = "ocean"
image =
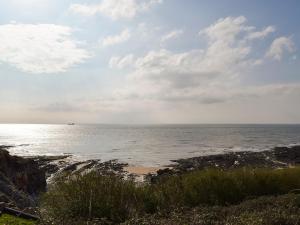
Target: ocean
[{"x": 144, "y": 145}]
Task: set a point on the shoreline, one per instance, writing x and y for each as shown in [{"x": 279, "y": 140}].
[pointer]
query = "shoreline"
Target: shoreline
[
  {"x": 276, "y": 157},
  {"x": 48, "y": 168}
]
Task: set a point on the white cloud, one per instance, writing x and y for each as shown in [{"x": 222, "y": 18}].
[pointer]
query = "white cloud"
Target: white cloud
[
  {"x": 115, "y": 9},
  {"x": 40, "y": 48},
  {"x": 209, "y": 75},
  {"x": 121, "y": 62},
  {"x": 261, "y": 34},
  {"x": 116, "y": 39},
  {"x": 226, "y": 29},
  {"x": 279, "y": 47},
  {"x": 222, "y": 58},
  {"x": 171, "y": 35}
]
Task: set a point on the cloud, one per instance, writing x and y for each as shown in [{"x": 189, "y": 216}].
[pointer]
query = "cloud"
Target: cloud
[
  {"x": 121, "y": 62},
  {"x": 226, "y": 29},
  {"x": 207, "y": 76},
  {"x": 58, "y": 107},
  {"x": 171, "y": 35},
  {"x": 243, "y": 104},
  {"x": 40, "y": 48},
  {"x": 279, "y": 46},
  {"x": 115, "y": 9},
  {"x": 261, "y": 34},
  {"x": 222, "y": 57},
  {"x": 116, "y": 39}
]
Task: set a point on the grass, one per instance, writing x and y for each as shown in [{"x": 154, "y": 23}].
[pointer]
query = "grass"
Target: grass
[
  {"x": 6, "y": 219},
  {"x": 217, "y": 187},
  {"x": 270, "y": 210},
  {"x": 94, "y": 196}
]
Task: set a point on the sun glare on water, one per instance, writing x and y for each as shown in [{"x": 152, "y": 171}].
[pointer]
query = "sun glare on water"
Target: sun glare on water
[
  {"x": 23, "y": 130},
  {"x": 26, "y": 139}
]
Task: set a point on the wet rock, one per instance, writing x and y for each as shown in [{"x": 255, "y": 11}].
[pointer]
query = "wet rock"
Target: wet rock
[
  {"x": 160, "y": 174},
  {"x": 279, "y": 157},
  {"x": 57, "y": 167},
  {"x": 72, "y": 167},
  {"x": 290, "y": 155},
  {"x": 51, "y": 164}
]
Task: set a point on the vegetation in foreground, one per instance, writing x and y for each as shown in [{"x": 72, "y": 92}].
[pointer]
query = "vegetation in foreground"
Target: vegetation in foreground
[
  {"x": 207, "y": 194},
  {"x": 280, "y": 210},
  {"x": 11, "y": 220}
]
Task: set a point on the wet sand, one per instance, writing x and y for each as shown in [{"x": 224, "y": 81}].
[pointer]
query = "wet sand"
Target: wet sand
[{"x": 141, "y": 170}]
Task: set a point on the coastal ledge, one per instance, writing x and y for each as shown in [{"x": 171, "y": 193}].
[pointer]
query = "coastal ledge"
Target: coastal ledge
[
  {"x": 53, "y": 166},
  {"x": 278, "y": 157},
  {"x": 25, "y": 178},
  {"x": 21, "y": 180}
]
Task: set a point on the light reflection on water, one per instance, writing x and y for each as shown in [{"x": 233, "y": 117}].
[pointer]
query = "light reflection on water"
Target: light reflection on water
[{"x": 144, "y": 145}]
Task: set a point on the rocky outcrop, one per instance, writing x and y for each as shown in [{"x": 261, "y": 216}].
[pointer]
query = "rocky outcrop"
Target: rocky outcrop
[
  {"x": 279, "y": 157},
  {"x": 21, "y": 180},
  {"x": 62, "y": 166},
  {"x": 275, "y": 158},
  {"x": 288, "y": 155}
]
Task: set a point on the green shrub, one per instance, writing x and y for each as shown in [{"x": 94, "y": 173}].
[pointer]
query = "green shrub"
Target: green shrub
[
  {"x": 93, "y": 195},
  {"x": 216, "y": 187}
]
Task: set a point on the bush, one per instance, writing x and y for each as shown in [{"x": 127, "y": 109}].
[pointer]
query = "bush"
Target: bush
[
  {"x": 93, "y": 195},
  {"x": 215, "y": 187}
]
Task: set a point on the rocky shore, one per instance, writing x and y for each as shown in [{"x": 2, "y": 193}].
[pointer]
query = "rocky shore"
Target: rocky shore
[
  {"x": 60, "y": 166},
  {"x": 278, "y": 157},
  {"x": 23, "y": 179}
]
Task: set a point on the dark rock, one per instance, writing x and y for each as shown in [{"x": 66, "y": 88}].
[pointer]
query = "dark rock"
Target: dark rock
[
  {"x": 72, "y": 167},
  {"x": 57, "y": 167},
  {"x": 160, "y": 174},
  {"x": 279, "y": 157},
  {"x": 51, "y": 164},
  {"x": 21, "y": 180},
  {"x": 164, "y": 171},
  {"x": 23, "y": 173},
  {"x": 289, "y": 155}
]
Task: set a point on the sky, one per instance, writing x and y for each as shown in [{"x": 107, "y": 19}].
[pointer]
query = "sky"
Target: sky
[{"x": 149, "y": 61}]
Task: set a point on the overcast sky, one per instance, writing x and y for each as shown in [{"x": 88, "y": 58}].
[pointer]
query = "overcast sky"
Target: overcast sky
[{"x": 149, "y": 61}]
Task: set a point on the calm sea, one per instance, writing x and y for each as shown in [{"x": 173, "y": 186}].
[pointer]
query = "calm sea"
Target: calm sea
[{"x": 151, "y": 145}]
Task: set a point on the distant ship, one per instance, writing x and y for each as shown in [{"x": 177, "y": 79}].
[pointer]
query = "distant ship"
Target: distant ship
[{"x": 71, "y": 124}]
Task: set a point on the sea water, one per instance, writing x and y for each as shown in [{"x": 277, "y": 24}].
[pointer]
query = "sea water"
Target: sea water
[{"x": 144, "y": 145}]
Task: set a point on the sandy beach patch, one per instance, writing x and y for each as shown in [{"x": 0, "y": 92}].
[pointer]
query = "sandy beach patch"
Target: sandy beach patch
[{"x": 142, "y": 170}]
